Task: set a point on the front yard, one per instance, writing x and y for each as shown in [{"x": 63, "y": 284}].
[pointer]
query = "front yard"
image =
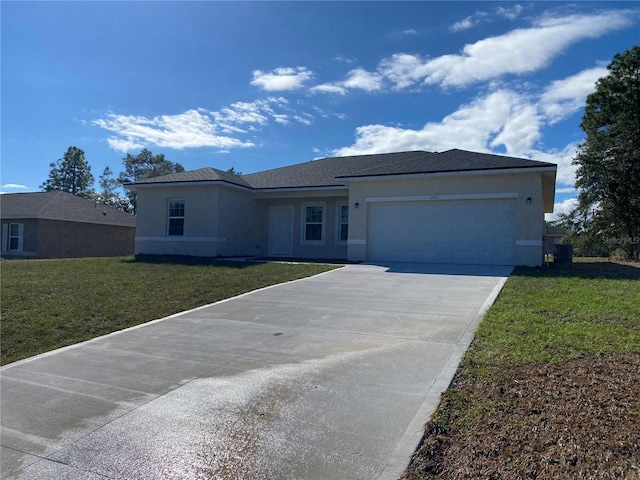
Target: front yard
[
  {"x": 549, "y": 387},
  {"x": 48, "y": 304}
]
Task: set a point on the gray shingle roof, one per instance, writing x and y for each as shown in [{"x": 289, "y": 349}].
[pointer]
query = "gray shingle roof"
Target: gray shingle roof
[
  {"x": 334, "y": 171},
  {"x": 450, "y": 161},
  {"x": 207, "y": 174},
  {"x": 323, "y": 172},
  {"x": 61, "y": 206}
]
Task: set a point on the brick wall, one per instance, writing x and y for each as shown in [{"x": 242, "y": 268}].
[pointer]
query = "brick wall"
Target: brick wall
[{"x": 58, "y": 239}]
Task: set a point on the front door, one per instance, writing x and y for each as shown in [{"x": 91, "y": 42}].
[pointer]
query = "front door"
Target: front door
[{"x": 280, "y": 231}]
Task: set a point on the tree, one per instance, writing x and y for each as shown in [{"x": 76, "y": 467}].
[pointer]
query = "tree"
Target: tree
[
  {"x": 108, "y": 193},
  {"x": 145, "y": 165},
  {"x": 608, "y": 173},
  {"x": 70, "y": 174}
]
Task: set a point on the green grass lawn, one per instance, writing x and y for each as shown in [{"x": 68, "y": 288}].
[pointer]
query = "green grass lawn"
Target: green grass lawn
[
  {"x": 47, "y": 304},
  {"x": 549, "y": 386},
  {"x": 554, "y": 314}
]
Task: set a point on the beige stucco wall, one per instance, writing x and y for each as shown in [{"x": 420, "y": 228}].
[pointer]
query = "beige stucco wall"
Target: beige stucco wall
[
  {"x": 529, "y": 217},
  {"x": 238, "y": 224},
  {"x": 330, "y": 248},
  {"x": 227, "y": 221},
  {"x": 200, "y": 221}
]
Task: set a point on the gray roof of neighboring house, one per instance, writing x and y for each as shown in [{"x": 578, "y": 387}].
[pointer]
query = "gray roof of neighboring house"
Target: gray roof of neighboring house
[
  {"x": 61, "y": 206},
  {"x": 334, "y": 171}
]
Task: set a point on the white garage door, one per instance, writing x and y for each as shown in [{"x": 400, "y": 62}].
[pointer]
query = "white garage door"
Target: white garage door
[{"x": 446, "y": 231}]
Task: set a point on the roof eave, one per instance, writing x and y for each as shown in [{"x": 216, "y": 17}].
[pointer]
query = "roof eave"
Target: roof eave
[
  {"x": 55, "y": 218},
  {"x": 184, "y": 183},
  {"x": 448, "y": 173},
  {"x": 299, "y": 189}
]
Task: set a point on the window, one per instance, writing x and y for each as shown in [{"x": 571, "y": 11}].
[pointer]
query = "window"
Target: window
[
  {"x": 176, "y": 217},
  {"x": 14, "y": 241},
  {"x": 314, "y": 223},
  {"x": 342, "y": 233}
]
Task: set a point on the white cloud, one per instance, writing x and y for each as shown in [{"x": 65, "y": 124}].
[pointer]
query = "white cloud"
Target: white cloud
[
  {"x": 281, "y": 118},
  {"x": 520, "y": 130},
  {"x": 356, "y": 79},
  {"x": 126, "y": 144},
  {"x": 565, "y": 97},
  {"x": 517, "y": 52},
  {"x": 14, "y": 186},
  {"x": 324, "y": 114},
  {"x": 468, "y": 22},
  {"x": 566, "y": 174},
  {"x": 483, "y": 17},
  {"x": 196, "y": 128},
  {"x": 191, "y": 129},
  {"x": 248, "y": 114},
  {"x": 410, "y": 31},
  {"x": 363, "y": 80},
  {"x": 510, "y": 13},
  {"x": 561, "y": 207},
  {"x": 342, "y": 58},
  {"x": 402, "y": 69},
  {"x": 305, "y": 119},
  {"x": 328, "y": 88},
  {"x": 283, "y": 78},
  {"x": 475, "y": 126}
]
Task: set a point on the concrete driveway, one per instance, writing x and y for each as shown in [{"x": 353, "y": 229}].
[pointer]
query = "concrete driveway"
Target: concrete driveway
[{"x": 330, "y": 377}]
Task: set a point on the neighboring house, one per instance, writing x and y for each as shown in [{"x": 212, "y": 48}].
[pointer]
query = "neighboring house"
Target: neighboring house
[
  {"x": 553, "y": 236},
  {"x": 61, "y": 225},
  {"x": 450, "y": 207}
]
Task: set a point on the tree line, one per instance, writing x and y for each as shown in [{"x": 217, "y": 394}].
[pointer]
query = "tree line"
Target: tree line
[{"x": 72, "y": 174}]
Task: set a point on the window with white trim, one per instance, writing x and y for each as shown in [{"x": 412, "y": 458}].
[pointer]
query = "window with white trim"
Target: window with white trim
[
  {"x": 313, "y": 223},
  {"x": 176, "y": 217},
  {"x": 342, "y": 230},
  {"x": 12, "y": 237}
]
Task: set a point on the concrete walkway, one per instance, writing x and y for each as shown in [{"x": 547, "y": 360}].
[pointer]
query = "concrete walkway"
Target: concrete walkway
[{"x": 330, "y": 377}]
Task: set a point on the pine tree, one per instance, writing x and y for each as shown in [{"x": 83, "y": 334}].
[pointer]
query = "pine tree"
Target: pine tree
[{"x": 70, "y": 174}]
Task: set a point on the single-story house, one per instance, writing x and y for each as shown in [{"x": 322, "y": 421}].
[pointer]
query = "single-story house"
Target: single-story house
[
  {"x": 449, "y": 207},
  {"x": 60, "y": 225}
]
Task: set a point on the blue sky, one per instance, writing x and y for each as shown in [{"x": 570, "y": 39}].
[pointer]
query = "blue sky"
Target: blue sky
[{"x": 258, "y": 85}]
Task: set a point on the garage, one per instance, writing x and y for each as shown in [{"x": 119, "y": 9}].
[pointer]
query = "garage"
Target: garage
[{"x": 442, "y": 231}]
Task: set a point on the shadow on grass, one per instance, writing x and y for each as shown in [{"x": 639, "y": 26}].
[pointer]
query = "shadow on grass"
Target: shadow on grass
[
  {"x": 240, "y": 262},
  {"x": 583, "y": 269},
  {"x": 190, "y": 260}
]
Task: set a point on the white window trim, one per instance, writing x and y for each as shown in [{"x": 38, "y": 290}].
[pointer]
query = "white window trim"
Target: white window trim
[
  {"x": 303, "y": 223},
  {"x": 6, "y": 237},
  {"x": 169, "y": 217},
  {"x": 339, "y": 206}
]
